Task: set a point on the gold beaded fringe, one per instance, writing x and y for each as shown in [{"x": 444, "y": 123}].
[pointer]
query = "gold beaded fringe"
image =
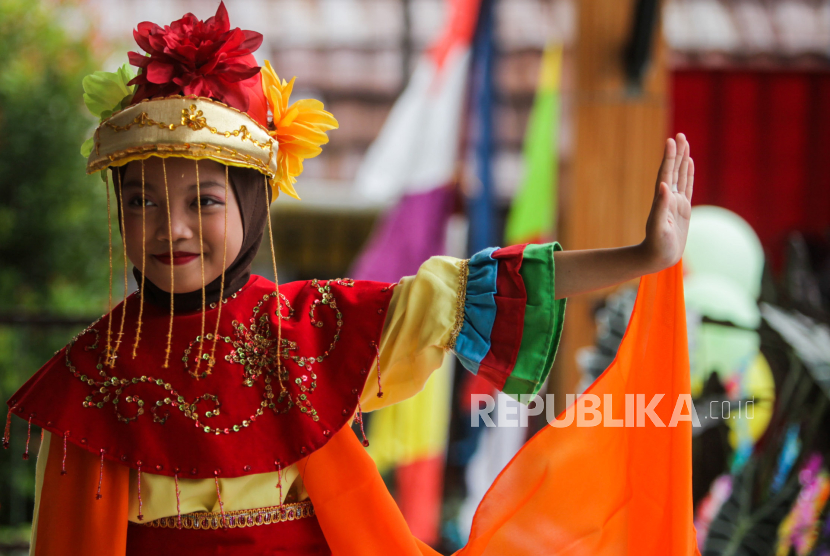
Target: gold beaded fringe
[
  {"x": 276, "y": 280},
  {"x": 202, "y": 269},
  {"x": 143, "y": 262},
  {"x": 120, "y": 336},
  {"x": 212, "y": 359},
  {"x": 107, "y": 359},
  {"x": 170, "y": 237}
]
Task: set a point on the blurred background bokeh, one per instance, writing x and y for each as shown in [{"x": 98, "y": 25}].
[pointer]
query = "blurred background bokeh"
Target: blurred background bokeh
[{"x": 565, "y": 108}]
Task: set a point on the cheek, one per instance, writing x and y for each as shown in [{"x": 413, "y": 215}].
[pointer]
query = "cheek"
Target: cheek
[
  {"x": 132, "y": 237},
  {"x": 234, "y": 239}
]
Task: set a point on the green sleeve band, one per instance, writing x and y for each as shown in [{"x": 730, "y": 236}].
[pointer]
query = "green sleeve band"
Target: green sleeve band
[{"x": 543, "y": 321}]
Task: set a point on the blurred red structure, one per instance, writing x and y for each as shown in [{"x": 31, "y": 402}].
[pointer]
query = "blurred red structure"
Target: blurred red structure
[{"x": 761, "y": 145}]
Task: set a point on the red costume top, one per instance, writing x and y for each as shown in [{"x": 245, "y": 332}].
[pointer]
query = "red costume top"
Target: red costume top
[{"x": 178, "y": 420}]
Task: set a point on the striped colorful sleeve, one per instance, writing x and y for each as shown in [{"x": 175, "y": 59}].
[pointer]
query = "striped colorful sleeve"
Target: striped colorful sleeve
[{"x": 512, "y": 323}]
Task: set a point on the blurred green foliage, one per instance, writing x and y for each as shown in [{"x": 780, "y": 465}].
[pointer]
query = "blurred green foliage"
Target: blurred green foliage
[
  {"x": 52, "y": 216},
  {"x": 53, "y": 230}
]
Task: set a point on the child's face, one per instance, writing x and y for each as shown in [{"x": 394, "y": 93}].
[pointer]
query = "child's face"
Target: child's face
[{"x": 184, "y": 218}]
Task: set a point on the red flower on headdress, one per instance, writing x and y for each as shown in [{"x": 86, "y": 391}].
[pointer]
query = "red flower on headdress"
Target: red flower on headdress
[{"x": 194, "y": 57}]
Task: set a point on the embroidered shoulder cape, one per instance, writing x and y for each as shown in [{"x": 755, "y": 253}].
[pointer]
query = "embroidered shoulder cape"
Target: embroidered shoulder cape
[{"x": 249, "y": 414}]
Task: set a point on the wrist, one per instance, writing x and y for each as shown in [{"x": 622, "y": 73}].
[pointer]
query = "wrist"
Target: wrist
[{"x": 647, "y": 259}]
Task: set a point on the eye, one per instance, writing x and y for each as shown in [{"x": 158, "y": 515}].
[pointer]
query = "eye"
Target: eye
[
  {"x": 137, "y": 201},
  {"x": 209, "y": 201}
]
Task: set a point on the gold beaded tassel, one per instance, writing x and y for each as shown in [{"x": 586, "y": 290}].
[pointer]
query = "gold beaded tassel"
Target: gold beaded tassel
[
  {"x": 28, "y": 438},
  {"x": 63, "y": 461},
  {"x": 212, "y": 359},
  {"x": 276, "y": 282},
  {"x": 279, "y": 483},
  {"x": 120, "y": 335},
  {"x": 7, "y": 434},
  {"x": 98, "y": 495},
  {"x": 219, "y": 497},
  {"x": 140, "y": 515},
  {"x": 108, "y": 356},
  {"x": 202, "y": 269},
  {"x": 178, "y": 502},
  {"x": 170, "y": 237},
  {"x": 143, "y": 262}
]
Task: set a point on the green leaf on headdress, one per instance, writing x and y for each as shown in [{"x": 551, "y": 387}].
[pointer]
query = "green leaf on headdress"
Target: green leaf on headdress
[
  {"x": 106, "y": 92},
  {"x": 86, "y": 148}
]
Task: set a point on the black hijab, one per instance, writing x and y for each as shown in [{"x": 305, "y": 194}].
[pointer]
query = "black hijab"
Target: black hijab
[{"x": 248, "y": 185}]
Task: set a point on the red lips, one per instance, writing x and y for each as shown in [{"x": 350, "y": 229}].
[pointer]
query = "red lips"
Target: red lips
[{"x": 179, "y": 257}]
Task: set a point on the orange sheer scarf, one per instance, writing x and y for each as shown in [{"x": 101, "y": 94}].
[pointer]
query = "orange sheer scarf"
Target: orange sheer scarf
[{"x": 572, "y": 490}]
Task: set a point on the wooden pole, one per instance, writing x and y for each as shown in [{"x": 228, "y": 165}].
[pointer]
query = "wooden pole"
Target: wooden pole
[{"x": 620, "y": 131}]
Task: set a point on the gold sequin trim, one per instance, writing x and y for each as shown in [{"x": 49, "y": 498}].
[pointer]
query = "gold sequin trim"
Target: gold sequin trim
[
  {"x": 252, "y": 346},
  {"x": 237, "y": 519},
  {"x": 246, "y": 144},
  {"x": 215, "y": 152},
  {"x": 194, "y": 119},
  {"x": 191, "y": 97},
  {"x": 460, "y": 300}
]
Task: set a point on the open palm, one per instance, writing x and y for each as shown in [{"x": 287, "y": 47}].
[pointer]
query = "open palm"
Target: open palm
[{"x": 668, "y": 221}]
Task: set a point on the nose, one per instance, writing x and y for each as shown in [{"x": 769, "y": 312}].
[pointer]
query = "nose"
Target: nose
[{"x": 179, "y": 228}]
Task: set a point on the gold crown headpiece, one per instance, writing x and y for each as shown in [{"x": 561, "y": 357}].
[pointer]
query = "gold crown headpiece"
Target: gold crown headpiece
[
  {"x": 203, "y": 102},
  {"x": 190, "y": 127}
]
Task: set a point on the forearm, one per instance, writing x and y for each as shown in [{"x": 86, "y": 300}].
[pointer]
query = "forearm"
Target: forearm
[{"x": 594, "y": 269}]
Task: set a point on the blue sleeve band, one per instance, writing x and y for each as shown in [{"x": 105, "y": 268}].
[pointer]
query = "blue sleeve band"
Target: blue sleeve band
[{"x": 473, "y": 341}]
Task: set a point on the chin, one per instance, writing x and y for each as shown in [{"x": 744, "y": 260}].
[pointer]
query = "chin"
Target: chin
[
  {"x": 189, "y": 286},
  {"x": 180, "y": 285}
]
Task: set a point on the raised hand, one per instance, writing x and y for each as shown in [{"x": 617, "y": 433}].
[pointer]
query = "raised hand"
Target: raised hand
[
  {"x": 666, "y": 230},
  {"x": 668, "y": 222}
]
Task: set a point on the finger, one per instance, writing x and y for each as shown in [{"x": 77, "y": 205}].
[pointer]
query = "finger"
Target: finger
[
  {"x": 661, "y": 206},
  {"x": 681, "y": 150},
  {"x": 690, "y": 179},
  {"x": 678, "y": 160},
  {"x": 682, "y": 178},
  {"x": 667, "y": 166}
]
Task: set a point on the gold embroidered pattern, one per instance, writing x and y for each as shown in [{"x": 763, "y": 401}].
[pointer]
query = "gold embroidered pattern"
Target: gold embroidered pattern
[
  {"x": 199, "y": 128},
  {"x": 110, "y": 389},
  {"x": 237, "y": 518},
  {"x": 253, "y": 347},
  {"x": 304, "y": 383},
  {"x": 193, "y": 119},
  {"x": 460, "y": 300}
]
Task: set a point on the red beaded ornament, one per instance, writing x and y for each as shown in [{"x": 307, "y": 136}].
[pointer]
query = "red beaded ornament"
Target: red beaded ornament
[
  {"x": 140, "y": 515},
  {"x": 63, "y": 461},
  {"x": 28, "y": 438},
  {"x": 7, "y": 432},
  {"x": 98, "y": 495}
]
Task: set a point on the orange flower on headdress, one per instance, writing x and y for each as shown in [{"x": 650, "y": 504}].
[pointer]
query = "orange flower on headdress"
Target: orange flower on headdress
[{"x": 300, "y": 129}]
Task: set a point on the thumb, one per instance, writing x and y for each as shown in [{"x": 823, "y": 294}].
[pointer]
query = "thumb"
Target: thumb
[
  {"x": 661, "y": 200},
  {"x": 664, "y": 189},
  {"x": 659, "y": 209}
]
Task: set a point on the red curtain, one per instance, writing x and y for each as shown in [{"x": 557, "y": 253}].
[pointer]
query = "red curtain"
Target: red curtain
[{"x": 761, "y": 145}]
